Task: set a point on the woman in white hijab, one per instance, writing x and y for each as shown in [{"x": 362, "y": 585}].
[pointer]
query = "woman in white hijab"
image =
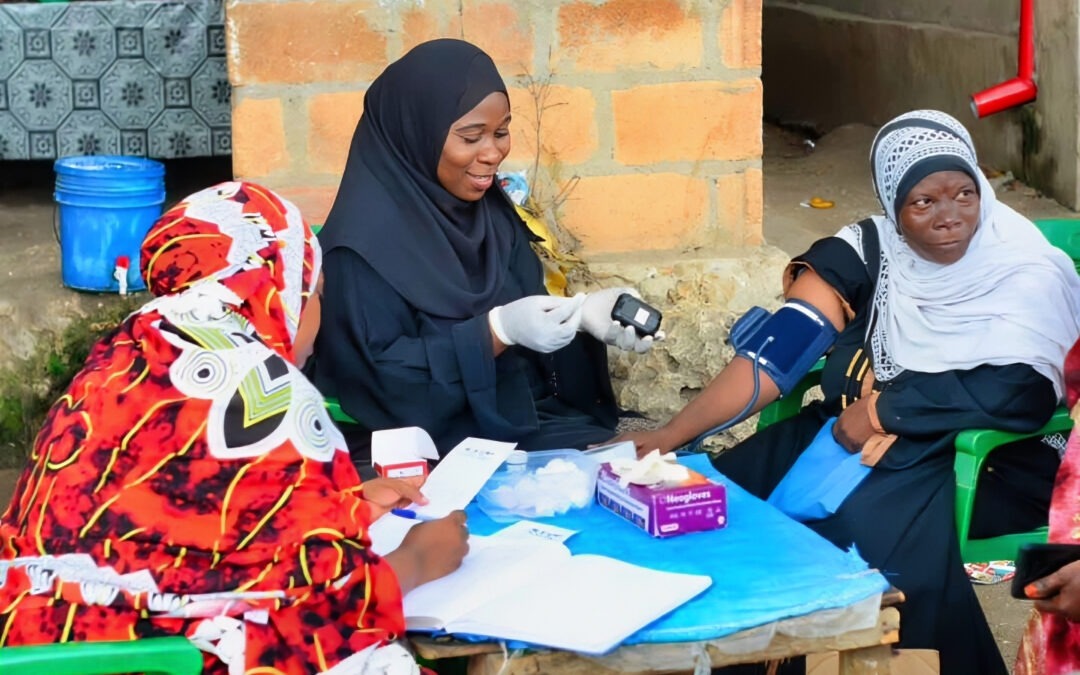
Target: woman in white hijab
[{"x": 953, "y": 312}]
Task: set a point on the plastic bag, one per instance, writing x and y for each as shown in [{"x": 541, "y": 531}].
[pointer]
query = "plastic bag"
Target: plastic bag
[{"x": 820, "y": 480}]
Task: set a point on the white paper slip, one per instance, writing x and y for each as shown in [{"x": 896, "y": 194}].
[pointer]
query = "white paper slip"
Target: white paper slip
[
  {"x": 460, "y": 475},
  {"x": 529, "y": 530}
]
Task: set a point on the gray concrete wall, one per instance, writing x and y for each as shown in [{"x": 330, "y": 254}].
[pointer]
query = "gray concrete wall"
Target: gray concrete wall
[
  {"x": 1054, "y": 126},
  {"x": 833, "y": 62}
]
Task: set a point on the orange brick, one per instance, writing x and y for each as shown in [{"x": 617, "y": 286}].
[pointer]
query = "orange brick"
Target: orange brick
[
  {"x": 332, "y": 120},
  {"x": 300, "y": 42},
  {"x": 739, "y": 207},
  {"x": 688, "y": 121},
  {"x": 497, "y": 28},
  {"x": 567, "y": 124},
  {"x": 620, "y": 34},
  {"x": 258, "y": 137},
  {"x": 740, "y": 34},
  {"x": 314, "y": 202},
  {"x": 635, "y": 212},
  {"x": 423, "y": 24}
]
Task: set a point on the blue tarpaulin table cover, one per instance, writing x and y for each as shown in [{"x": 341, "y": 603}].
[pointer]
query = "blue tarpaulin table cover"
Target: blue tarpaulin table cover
[{"x": 765, "y": 567}]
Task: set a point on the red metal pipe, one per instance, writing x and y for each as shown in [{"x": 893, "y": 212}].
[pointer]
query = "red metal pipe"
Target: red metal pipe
[{"x": 1022, "y": 88}]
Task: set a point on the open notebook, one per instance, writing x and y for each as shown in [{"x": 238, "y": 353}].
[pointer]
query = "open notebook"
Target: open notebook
[{"x": 537, "y": 592}]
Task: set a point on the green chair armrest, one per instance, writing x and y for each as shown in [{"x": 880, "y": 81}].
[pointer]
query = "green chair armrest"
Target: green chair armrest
[
  {"x": 789, "y": 406},
  {"x": 155, "y": 656},
  {"x": 973, "y": 446},
  {"x": 336, "y": 413}
]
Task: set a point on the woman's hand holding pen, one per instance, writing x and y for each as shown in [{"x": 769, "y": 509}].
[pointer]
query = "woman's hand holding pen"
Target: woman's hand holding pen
[{"x": 431, "y": 550}]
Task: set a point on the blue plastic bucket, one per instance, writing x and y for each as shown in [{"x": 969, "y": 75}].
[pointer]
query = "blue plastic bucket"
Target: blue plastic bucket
[{"x": 106, "y": 205}]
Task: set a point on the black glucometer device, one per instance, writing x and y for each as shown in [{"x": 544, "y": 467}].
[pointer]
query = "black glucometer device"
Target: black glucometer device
[{"x": 631, "y": 311}]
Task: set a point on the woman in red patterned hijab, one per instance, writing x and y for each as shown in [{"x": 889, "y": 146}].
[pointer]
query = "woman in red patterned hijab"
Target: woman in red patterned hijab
[
  {"x": 1051, "y": 642},
  {"x": 191, "y": 483}
]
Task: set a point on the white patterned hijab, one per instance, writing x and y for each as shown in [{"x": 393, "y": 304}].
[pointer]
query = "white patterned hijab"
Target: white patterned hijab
[{"x": 1012, "y": 298}]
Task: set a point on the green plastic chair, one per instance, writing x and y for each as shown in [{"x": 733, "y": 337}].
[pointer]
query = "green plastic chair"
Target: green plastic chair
[{"x": 154, "y": 656}]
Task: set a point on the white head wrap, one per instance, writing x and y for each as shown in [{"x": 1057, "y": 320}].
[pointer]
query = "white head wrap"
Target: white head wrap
[{"x": 1012, "y": 298}]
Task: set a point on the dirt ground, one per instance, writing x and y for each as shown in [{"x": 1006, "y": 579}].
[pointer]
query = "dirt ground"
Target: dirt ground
[{"x": 833, "y": 168}]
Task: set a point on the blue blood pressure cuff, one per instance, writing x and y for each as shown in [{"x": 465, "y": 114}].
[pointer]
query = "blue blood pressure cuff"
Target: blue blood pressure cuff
[{"x": 784, "y": 344}]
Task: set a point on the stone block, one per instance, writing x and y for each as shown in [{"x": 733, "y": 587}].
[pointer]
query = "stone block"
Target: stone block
[
  {"x": 314, "y": 202},
  {"x": 557, "y": 122},
  {"x": 259, "y": 145},
  {"x": 699, "y": 298},
  {"x": 426, "y": 22},
  {"x": 303, "y": 42},
  {"x": 740, "y": 34},
  {"x": 619, "y": 35},
  {"x": 739, "y": 204},
  {"x": 635, "y": 212},
  {"x": 332, "y": 118},
  {"x": 688, "y": 121},
  {"x": 499, "y": 29}
]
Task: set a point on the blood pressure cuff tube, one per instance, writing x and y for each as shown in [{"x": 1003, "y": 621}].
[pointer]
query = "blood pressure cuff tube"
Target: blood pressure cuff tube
[{"x": 785, "y": 344}]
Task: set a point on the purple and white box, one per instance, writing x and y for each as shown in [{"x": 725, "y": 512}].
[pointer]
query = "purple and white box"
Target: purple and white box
[{"x": 694, "y": 505}]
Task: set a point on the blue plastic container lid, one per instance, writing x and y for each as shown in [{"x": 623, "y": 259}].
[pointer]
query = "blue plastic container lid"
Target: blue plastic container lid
[{"x": 119, "y": 166}]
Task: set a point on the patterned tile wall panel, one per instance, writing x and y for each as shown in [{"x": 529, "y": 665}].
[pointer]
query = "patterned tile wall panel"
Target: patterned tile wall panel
[{"x": 131, "y": 77}]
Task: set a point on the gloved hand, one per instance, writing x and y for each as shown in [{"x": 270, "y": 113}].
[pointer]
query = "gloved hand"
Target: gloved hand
[
  {"x": 542, "y": 323},
  {"x": 596, "y": 321}
]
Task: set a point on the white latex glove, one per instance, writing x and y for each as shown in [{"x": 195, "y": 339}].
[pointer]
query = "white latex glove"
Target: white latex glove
[
  {"x": 596, "y": 321},
  {"x": 542, "y": 323}
]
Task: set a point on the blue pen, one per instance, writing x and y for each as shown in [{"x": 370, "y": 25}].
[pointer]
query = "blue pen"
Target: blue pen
[{"x": 412, "y": 515}]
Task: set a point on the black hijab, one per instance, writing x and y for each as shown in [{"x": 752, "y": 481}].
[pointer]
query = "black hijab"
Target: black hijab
[{"x": 447, "y": 257}]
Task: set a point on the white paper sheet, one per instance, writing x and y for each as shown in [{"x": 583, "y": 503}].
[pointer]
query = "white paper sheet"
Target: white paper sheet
[
  {"x": 460, "y": 475},
  {"x": 531, "y": 530}
]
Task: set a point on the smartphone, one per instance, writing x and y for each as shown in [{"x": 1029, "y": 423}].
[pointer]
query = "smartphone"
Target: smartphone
[
  {"x": 1035, "y": 561},
  {"x": 631, "y": 311}
]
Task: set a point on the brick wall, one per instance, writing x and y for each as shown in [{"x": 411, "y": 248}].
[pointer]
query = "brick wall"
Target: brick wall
[{"x": 649, "y": 131}]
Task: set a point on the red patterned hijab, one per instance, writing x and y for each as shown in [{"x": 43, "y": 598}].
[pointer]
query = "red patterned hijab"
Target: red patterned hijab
[
  {"x": 1051, "y": 643},
  {"x": 250, "y": 241},
  {"x": 190, "y": 482}
]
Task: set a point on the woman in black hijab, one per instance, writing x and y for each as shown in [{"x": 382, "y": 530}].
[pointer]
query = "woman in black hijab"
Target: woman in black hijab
[{"x": 434, "y": 308}]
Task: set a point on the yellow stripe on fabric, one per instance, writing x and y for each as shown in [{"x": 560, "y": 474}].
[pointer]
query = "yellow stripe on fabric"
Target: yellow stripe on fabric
[
  {"x": 149, "y": 413},
  {"x": 854, "y": 359},
  {"x": 129, "y": 535},
  {"x": 303, "y": 564},
  {"x": 167, "y": 246},
  {"x": 269, "y": 514},
  {"x": 108, "y": 469},
  {"x": 862, "y": 371},
  {"x": 367, "y": 596},
  {"x": 340, "y": 561},
  {"x": 191, "y": 441},
  {"x": 324, "y": 530},
  {"x": 41, "y": 518},
  {"x": 262, "y": 575},
  {"x": 67, "y": 462},
  {"x": 319, "y": 653},
  {"x": 264, "y": 670},
  {"x": 228, "y": 494},
  {"x": 180, "y": 557},
  {"x": 153, "y": 470},
  {"x": 137, "y": 380},
  {"x": 10, "y": 620},
  {"x": 97, "y": 514},
  {"x": 68, "y": 623},
  {"x": 108, "y": 548}
]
